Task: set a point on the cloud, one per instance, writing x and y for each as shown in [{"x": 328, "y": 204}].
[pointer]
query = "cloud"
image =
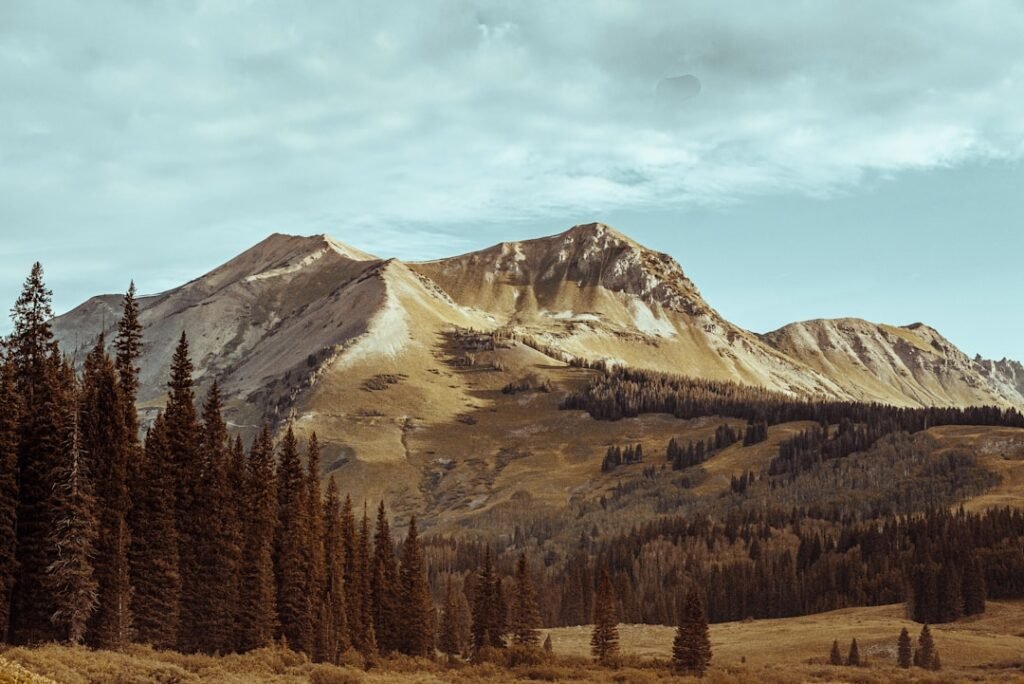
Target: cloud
[{"x": 224, "y": 121}]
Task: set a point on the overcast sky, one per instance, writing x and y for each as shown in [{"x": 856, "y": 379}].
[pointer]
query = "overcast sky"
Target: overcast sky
[{"x": 799, "y": 159}]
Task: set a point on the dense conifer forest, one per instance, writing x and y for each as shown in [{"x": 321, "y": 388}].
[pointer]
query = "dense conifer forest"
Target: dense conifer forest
[{"x": 182, "y": 536}]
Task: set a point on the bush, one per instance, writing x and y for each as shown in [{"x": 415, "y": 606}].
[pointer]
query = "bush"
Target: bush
[{"x": 329, "y": 674}]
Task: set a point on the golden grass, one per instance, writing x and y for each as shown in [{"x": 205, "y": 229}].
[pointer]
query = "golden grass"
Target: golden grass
[{"x": 987, "y": 648}]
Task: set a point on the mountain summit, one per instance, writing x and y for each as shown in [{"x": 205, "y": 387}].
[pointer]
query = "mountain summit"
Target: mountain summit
[{"x": 312, "y": 330}]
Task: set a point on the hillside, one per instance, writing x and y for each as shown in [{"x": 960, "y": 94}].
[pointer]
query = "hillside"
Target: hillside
[{"x": 377, "y": 357}]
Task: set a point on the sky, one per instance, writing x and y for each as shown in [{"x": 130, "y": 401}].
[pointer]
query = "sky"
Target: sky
[{"x": 800, "y": 160}]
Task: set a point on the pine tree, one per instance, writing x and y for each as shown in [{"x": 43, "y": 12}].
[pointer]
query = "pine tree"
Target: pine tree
[
  {"x": 548, "y": 646},
  {"x": 107, "y": 446},
  {"x": 525, "y": 615},
  {"x": 43, "y": 385},
  {"x": 367, "y": 641},
  {"x": 447, "y": 634},
  {"x": 155, "y": 578},
  {"x": 182, "y": 433},
  {"x": 10, "y": 414},
  {"x": 353, "y": 579},
  {"x": 128, "y": 348},
  {"x": 903, "y": 649},
  {"x": 853, "y": 658},
  {"x": 416, "y": 620},
  {"x": 291, "y": 548},
  {"x": 315, "y": 580},
  {"x": 333, "y": 615},
  {"x": 691, "y": 650},
  {"x": 70, "y": 578},
  {"x": 835, "y": 657},
  {"x": 258, "y": 605},
  {"x": 384, "y": 585},
  {"x": 218, "y": 544},
  {"x": 925, "y": 653},
  {"x": 486, "y": 629},
  {"x": 236, "y": 512},
  {"x": 604, "y": 641}
]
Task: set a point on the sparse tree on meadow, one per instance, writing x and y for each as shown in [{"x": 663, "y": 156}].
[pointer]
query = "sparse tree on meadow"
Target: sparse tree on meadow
[
  {"x": 691, "y": 650},
  {"x": 604, "y": 640},
  {"x": 904, "y": 649}
]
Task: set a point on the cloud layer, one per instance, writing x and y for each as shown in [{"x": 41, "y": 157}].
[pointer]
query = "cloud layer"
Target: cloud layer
[{"x": 385, "y": 123}]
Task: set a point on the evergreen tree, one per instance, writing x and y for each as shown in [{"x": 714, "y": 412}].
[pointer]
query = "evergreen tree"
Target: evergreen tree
[
  {"x": 43, "y": 385},
  {"x": 691, "y": 650},
  {"x": 182, "y": 434},
  {"x": 212, "y": 608},
  {"x": 835, "y": 657},
  {"x": 486, "y": 628},
  {"x": 604, "y": 641},
  {"x": 70, "y": 578},
  {"x": 367, "y": 638},
  {"x": 106, "y": 445},
  {"x": 416, "y": 620},
  {"x": 291, "y": 548},
  {"x": 258, "y": 606},
  {"x": 128, "y": 348},
  {"x": 333, "y": 614},
  {"x": 10, "y": 414},
  {"x": 924, "y": 656},
  {"x": 903, "y": 649},
  {"x": 353, "y": 579},
  {"x": 234, "y": 535},
  {"x": 384, "y": 585},
  {"x": 156, "y": 581},
  {"x": 450, "y": 640},
  {"x": 315, "y": 580},
  {"x": 548, "y": 646},
  {"x": 525, "y": 615},
  {"x": 853, "y": 658}
]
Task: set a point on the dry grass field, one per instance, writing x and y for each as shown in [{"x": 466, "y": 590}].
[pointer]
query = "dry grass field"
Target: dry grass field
[{"x": 989, "y": 648}]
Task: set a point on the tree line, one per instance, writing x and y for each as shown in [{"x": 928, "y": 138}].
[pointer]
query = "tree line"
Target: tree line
[{"x": 189, "y": 540}]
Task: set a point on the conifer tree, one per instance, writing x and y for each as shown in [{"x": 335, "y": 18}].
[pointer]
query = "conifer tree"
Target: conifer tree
[
  {"x": 212, "y": 603},
  {"x": 924, "y": 656},
  {"x": 486, "y": 629},
  {"x": 292, "y": 548},
  {"x": 384, "y": 585},
  {"x": 182, "y": 433},
  {"x": 155, "y": 578},
  {"x": 903, "y": 649},
  {"x": 70, "y": 578},
  {"x": 416, "y": 619},
  {"x": 604, "y": 641},
  {"x": 106, "y": 446},
  {"x": 333, "y": 615},
  {"x": 853, "y": 657},
  {"x": 258, "y": 605},
  {"x": 691, "y": 650},
  {"x": 234, "y": 533},
  {"x": 44, "y": 385},
  {"x": 128, "y": 348},
  {"x": 449, "y": 639},
  {"x": 315, "y": 580},
  {"x": 835, "y": 657},
  {"x": 367, "y": 638},
  {"x": 525, "y": 615},
  {"x": 548, "y": 646},
  {"x": 10, "y": 413},
  {"x": 353, "y": 579}
]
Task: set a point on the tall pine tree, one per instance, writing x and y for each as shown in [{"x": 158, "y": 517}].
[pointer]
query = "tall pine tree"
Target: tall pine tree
[
  {"x": 70, "y": 577},
  {"x": 107, "y": 447},
  {"x": 10, "y": 414},
  {"x": 45, "y": 392},
  {"x": 384, "y": 585},
  {"x": 292, "y": 548},
  {"x": 486, "y": 628},
  {"x": 156, "y": 580},
  {"x": 258, "y": 599},
  {"x": 691, "y": 650},
  {"x": 525, "y": 616},
  {"x": 604, "y": 640},
  {"x": 333, "y": 613},
  {"x": 416, "y": 618},
  {"x": 182, "y": 434},
  {"x": 315, "y": 580},
  {"x": 352, "y": 575}
]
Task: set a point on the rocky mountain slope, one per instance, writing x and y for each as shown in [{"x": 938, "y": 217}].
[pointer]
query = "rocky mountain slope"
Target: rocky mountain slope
[{"x": 371, "y": 352}]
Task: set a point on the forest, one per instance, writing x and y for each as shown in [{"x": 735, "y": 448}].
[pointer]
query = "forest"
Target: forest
[{"x": 179, "y": 535}]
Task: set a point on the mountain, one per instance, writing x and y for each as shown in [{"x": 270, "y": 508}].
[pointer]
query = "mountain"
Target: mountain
[{"x": 379, "y": 358}]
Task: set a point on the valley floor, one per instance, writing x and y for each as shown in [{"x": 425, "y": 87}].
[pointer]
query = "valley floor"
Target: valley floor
[{"x": 987, "y": 648}]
